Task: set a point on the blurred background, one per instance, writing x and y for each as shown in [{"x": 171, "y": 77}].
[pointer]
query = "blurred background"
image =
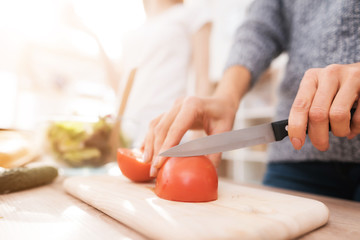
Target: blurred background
[
  {"x": 65, "y": 59},
  {"x": 62, "y": 56}
]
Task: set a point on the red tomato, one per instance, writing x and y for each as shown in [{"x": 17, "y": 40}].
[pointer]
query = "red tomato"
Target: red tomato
[
  {"x": 131, "y": 165},
  {"x": 189, "y": 179}
]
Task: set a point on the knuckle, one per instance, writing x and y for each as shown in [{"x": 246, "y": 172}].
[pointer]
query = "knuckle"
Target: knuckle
[
  {"x": 179, "y": 101},
  {"x": 354, "y": 74},
  {"x": 339, "y": 115},
  {"x": 148, "y": 139},
  {"x": 301, "y": 105},
  {"x": 340, "y": 133},
  {"x": 293, "y": 128},
  {"x": 333, "y": 68},
  {"x": 158, "y": 142},
  {"x": 174, "y": 131},
  {"x": 318, "y": 115},
  {"x": 192, "y": 106},
  {"x": 159, "y": 130},
  {"x": 322, "y": 144},
  {"x": 153, "y": 123},
  {"x": 310, "y": 73},
  {"x": 192, "y": 101},
  {"x": 322, "y": 147}
]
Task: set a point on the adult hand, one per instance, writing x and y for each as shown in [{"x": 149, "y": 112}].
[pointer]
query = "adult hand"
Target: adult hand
[
  {"x": 326, "y": 95},
  {"x": 214, "y": 115}
]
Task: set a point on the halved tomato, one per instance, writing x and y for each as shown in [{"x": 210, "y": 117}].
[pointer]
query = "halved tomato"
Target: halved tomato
[
  {"x": 187, "y": 179},
  {"x": 132, "y": 166}
]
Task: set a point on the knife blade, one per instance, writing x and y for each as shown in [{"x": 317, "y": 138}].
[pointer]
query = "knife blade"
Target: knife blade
[{"x": 222, "y": 142}]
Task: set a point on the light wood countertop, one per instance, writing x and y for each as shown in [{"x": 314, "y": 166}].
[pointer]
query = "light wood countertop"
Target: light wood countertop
[
  {"x": 344, "y": 222},
  {"x": 48, "y": 212}
]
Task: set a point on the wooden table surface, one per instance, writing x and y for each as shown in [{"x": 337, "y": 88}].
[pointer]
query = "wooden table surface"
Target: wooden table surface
[
  {"x": 48, "y": 212},
  {"x": 344, "y": 222}
]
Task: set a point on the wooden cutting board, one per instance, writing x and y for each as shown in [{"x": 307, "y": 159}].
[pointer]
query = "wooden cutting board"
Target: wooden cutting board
[{"x": 239, "y": 213}]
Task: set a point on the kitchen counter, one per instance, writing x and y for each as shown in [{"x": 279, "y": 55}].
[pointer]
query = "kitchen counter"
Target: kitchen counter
[
  {"x": 48, "y": 212},
  {"x": 344, "y": 222}
]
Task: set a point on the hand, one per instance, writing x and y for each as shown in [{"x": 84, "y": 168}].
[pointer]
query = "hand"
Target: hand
[
  {"x": 214, "y": 115},
  {"x": 326, "y": 95}
]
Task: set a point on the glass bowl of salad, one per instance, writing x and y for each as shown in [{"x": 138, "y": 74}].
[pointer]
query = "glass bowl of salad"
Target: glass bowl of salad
[{"x": 80, "y": 142}]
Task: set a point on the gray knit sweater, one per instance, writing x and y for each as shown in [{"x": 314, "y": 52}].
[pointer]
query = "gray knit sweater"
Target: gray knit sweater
[{"x": 314, "y": 33}]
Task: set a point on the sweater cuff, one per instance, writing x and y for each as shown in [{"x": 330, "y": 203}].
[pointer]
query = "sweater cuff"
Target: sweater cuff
[{"x": 251, "y": 57}]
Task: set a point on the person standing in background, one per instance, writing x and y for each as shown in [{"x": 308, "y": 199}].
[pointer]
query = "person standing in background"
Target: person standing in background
[{"x": 170, "y": 53}]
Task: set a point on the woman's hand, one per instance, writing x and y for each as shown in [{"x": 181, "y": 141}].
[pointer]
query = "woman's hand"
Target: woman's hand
[
  {"x": 214, "y": 115},
  {"x": 326, "y": 95}
]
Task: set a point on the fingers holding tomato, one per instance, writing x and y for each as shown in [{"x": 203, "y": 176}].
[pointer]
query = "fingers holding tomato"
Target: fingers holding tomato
[
  {"x": 214, "y": 115},
  {"x": 171, "y": 128},
  {"x": 148, "y": 144}
]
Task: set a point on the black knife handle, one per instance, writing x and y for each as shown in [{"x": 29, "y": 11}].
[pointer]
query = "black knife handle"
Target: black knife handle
[{"x": 280, "y": 127}]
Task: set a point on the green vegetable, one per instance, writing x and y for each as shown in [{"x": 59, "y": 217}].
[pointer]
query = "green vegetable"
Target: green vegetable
[
  {"x": 81, "y": 143},
  {"x": 82, "y": 157},
  {"x": 17, "y": 179}
]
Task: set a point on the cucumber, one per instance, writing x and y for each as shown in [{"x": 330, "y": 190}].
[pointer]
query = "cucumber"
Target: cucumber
[{"x": 17, "y": 179}]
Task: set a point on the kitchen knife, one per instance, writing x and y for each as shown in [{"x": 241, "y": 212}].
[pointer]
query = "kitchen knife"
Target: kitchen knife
[{"x": 222, "y": 142}]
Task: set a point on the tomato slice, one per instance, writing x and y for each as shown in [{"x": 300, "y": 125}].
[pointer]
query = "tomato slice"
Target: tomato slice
[
  {"x": 132, "y": 166},
  {"x": 189, "y": 179}
]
